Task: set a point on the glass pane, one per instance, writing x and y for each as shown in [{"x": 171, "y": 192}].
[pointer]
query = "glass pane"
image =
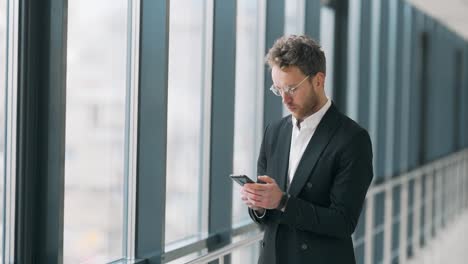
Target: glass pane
[
  {"x": 294, "y": 23},
  {"x": 95, "y": 119},
  {"x": 327, "y": 40},
  {"x": 294, "y": 17},
  {"x": 246, "y": 125},
  {"x": 185, "y": 131},
  {"x": 3, "y": 41},
  {"x": 247, "y": 254}
]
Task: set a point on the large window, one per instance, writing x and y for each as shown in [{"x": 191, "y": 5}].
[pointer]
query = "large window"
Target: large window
[
  {"x": 3, "y": 63},
  {"x": 294, "y": 21},
  {"x": 95, "y": 131},
  {"x": 294, "y": 24},
  {"x": 247, "y": 124},
  {"x": 187, "y": 126},
  {"x": 327, "y": 41}
]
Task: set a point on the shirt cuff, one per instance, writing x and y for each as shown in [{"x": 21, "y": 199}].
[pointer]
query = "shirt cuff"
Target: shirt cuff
[{"x": 260, "y": 216}]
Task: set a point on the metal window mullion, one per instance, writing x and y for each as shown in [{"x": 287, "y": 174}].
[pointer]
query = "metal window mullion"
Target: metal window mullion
[
  {"x": 406, "y": 94},
  {"x": 274, "y": 28},
  {"x": 312, "y": 18},
  {"x": 391, "y": 87},
  {"x": 41, "y": 131},
  {"x": 340, "y": 56},
  {"x": 222, "y": 122},
  {"x": 374, "y": 72},
  {"x": 152, "y": 131}
]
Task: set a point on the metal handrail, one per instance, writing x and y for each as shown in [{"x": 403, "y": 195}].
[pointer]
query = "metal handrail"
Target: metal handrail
[
  {"x": 454, "y": 165},
  {"x": 220, "y": 253}
]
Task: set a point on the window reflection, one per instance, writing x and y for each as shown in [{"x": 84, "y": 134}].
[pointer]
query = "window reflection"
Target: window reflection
[
  {"x": 185, "y": 142},
  {"x": 95, "y": 129}
]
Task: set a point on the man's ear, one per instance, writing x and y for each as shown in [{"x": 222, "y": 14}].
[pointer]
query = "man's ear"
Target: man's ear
[{"x": 319, "y": 80}]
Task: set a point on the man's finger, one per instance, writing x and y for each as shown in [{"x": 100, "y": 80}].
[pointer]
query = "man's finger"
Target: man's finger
[
  {"x": 254, "y": 197},
  {"x": 266, "y": 179},
  {"x": 252, "y": 187}
]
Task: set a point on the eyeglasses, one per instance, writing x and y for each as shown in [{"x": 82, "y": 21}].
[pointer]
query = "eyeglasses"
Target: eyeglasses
[{"x": 286, "y": 90}]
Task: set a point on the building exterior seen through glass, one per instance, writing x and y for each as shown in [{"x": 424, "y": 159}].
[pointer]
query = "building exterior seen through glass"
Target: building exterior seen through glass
[
  {"x": 3, "y": 64},
  {"x": 95, "y": 131},
  {"x": 185, "y": 130}
]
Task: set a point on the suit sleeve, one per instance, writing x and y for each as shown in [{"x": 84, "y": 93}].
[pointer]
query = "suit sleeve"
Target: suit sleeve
[
  {"x": 347, "y": 194},
  {"x": 261, "y": 170}
]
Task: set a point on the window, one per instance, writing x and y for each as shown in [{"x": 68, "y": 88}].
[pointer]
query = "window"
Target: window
[
  {"x": 294, "y": 23},
  {"x": 188, "y": 122},
  {"x": 95, "y": 131},
  {"x": 247, "y": 124},
  {"x": 327, "y": 40},
  {"x": 294, "y": 17},
  {"x": 3, "y": 63}
]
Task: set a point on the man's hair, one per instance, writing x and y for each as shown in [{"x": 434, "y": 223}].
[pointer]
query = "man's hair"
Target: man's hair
[{"x": 300, "y": 51}]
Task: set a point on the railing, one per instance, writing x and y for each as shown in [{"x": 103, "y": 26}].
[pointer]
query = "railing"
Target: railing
[{"x": 400, "y": 215}]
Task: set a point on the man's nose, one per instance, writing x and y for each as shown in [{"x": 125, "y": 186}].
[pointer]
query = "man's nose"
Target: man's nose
[{"x": 286, "y": 98}]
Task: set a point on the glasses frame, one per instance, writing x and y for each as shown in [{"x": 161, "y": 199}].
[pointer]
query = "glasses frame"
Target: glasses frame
[{"x": 287, "y": 90}]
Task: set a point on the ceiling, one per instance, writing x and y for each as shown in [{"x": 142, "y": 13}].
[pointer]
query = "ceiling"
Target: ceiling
[{"x": 452, "y": 13}]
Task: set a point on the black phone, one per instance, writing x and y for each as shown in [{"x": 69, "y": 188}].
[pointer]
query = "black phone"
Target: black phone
[{"x": 242, "y": 179}]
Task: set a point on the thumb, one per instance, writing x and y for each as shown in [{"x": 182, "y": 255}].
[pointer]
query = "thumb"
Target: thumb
[{"x": 266, "y": 179}]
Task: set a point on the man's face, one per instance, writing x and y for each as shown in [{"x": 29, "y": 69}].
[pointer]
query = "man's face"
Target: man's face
[{"x": 304, "y": 101}]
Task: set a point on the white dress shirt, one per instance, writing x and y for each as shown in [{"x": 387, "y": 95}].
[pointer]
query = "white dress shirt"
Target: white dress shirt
[{"x": 301, "y": 136}]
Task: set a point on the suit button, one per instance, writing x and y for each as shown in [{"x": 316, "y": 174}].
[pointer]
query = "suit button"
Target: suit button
[
  {"x": 304, "y": 246},
  {"x": 263, "y": 244},
  {"x": 309, "y": 185}
]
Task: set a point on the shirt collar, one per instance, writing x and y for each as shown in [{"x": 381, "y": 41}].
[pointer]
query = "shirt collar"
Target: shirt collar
[{"x": 313, "y": 120}]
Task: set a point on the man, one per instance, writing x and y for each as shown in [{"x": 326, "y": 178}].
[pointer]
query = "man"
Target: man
[{"x": 316, "y": 165}]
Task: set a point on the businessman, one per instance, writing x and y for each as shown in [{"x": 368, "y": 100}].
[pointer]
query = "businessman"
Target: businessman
[{"x": 316, "y": 165}]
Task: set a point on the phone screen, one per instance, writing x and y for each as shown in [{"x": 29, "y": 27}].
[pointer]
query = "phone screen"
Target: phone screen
[{"x": 241, "y": 179}]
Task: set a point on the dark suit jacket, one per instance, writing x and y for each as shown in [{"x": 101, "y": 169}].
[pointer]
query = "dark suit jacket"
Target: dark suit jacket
[{"x": 327, "y": 192}]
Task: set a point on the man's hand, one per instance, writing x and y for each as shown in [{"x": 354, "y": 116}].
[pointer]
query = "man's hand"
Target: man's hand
[{"x": 262, "y": 196}]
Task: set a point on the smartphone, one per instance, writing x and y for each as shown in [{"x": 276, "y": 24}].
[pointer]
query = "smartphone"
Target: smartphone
[{"x": 242, "y": 179}]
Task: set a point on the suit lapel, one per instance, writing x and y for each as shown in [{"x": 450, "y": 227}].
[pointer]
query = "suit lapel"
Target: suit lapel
[
  {"x": 324, "y": 132},
  {"x": 284, "y": 147}
]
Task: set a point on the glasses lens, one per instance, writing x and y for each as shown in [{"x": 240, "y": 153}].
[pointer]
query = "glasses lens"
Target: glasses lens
[{"x": 275, "y": 90}]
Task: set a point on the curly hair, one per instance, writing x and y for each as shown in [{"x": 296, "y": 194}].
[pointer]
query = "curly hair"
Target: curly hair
[{"x": 300, "y": 51}]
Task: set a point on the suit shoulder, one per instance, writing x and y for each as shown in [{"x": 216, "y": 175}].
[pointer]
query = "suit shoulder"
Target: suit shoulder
[
  {"x": 350, "y": 129},
  {"x": 276, "y": 125}
]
